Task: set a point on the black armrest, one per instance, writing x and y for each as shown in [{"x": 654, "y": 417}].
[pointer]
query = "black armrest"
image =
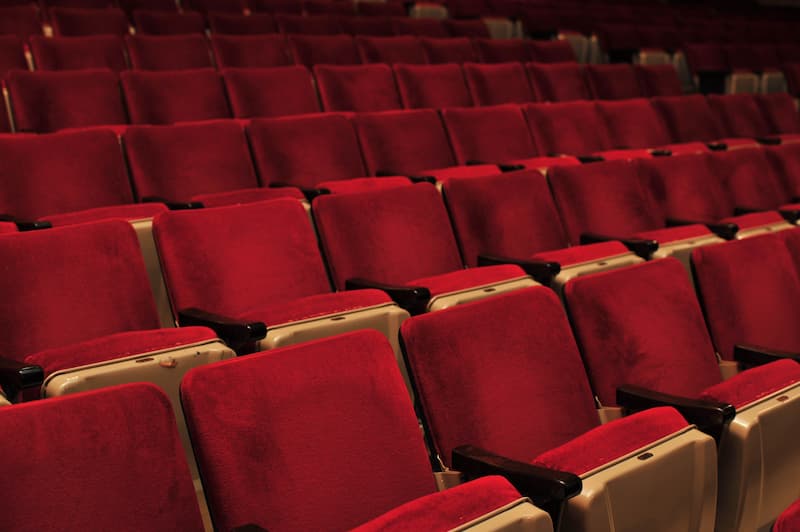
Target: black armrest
[
  {"x": 768, "y": 141},
  {"x": 586, "y": 159},
  {"x": 709, "y": 416},
  {"x": 661, "y": 153},
  {"x": 547, "y": 488},
  {"x": 412, "y": 298},
  {"x": 752, "y": 355},
  {"x": 724, "y": 230},
  {"x": 250, "y": 527},
  {"x": 542, "y": 272},
  {"x": 25, "y": 225},
  {"x": 236, "y": 334},
  {"x": 18, "y": 376},
  {"x": 640, "y": 246},
  {"x": 174, "y": 205},
  {"x": 717, "y": 146},
  {"x": 790, "y": 215}
]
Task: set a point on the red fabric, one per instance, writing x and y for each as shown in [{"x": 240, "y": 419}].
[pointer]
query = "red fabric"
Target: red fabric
[
  {"x": 559, "y": 51},
  {"x": 310, "y": 50},
  {"x": 205, "y": 6},
  {"x": 686, "y": 148},
  {"x": 11, "y": 53},
  {"x": 180, "y": 161},
  {"x": 74, "y": 53},
  {"x": 165, "y": 23},
  {"x": 785, "y": 162},
  {"x": 117, "y": 449},
  {"x": 558, "y": 82},
  {"x": 485, "y": 377},
  {"x": 115, "y": 346},
  {"x": 675, "y": 234},
  {"x": 7, "y": 227},
  {"x": 633, "y": 124},
  {"x": 174, "y": 96},
  {"x": 401, "y": 49},
  {"x": 473, "y": 170},
  {"x": 326, "y": 8},
  {"x": 249, "y": 195},
  {"x": 754, "y": 384},
  {"x": 305, "y": 150},
  {"x": 573, "y": 128},
  {"x": 780, "y": 112},
  {"x": 286, "y": 311},
  {"x": 48, "y": 101},
  {"x": 659, "y": 80},
  {"x": 70, "y": 284},
  {"x": 608, "y": 198},
  {"x": 507, "y": 215},
  {"x": 642, "y": 326},
  {"x": 703, "y": 57},
  {"x": 376, "y": 25},
  {"x": 739, "y": 311},
  {"x": 52, "y": 174},
  {"x": 357, "y": 88},
  {"x": 448, "y": 50},
  {"x": 756, "y": 219},
  {"x": 21, "y": 21},
  {"x": 274, "y": 256},
  {"x": 136, "y": 211},
  {"x": 168, "y": 52},
  {"x": 250, "y": 51},
  {"x": 447, "y": 509},
  {"x": 276, "y": 6},
  {"x": 336, "y": 409},
  {"x": 502, "y": 50},
  {"x": 424, "y": 27},
  {"x": 739, "y": 114},
  {"x": 264, "y": 92},
  {"x": 626, "y": 155},
  {"x": 459, "y": 280},
  {"x": 236, "y": 24},
  {"x": 490, "y": 134},
  {"x": 612, "y": 82},
  {"x": 83, "y": 22},
  {"x": 371, "y": 235},
  {"x": 467, "y": 28},
  {"x": 496, "y": 84},
  {"x": 580, "y": 254},
  {"x": 403, "y": 141},
  {"x": 362, "y": 184},
  {"x": 612, "y": 441},
  {"x": 688, "y": 118},
  {"x": 432, "y": 86},
  {"x": 789, "y": 520},
  {"x": 533, "y": 163}
]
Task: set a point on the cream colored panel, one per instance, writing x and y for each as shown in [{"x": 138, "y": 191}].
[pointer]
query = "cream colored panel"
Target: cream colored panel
[
  {"x": 742, "y": 82},
  {"x": 452, "y": 299},
  {"x": 144, "y": 232},
  {"x": 579, "y": 43},
  {"x": 519, "y": 516},
  {"x": 773, "y": 82},
  {"x": 499, "y": 27},
  {"x": 428, "y": 10},
  {"x": 728, "y": 368},
  {"x": 653, "y": 57},
  {"x": 763, "y": 229},
  {"x": 609, "y": 413}
]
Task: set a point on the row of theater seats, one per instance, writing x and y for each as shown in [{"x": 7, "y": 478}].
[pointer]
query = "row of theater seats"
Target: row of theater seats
[
  {"x": 175, "y": 52},
  {"x": 639, "y": 325}
]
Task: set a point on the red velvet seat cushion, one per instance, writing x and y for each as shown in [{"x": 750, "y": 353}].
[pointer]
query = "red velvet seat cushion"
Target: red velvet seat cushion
[
  {"x": 136, "y": 211},
  {"x": 613, "y": 440},
  {"x": 675, "y": 234},
  {"x": 756, "y": 219},
  {"x": 447, "y": 509},
  {"x": 574, "y": 255},
  {"x": 363, "y": 184},
  {"x": 472, "y": 170},
  {"x": 279, "y": 312},
  {"x": 116, "y": 346},
  {"x": 625, "y": 155},
  {"x": 754, "y": 384},
  {"x": 789, "y": 520},
  {"x": 533, "y": 163},
  {"x": 251, "y": 195},
  {"x": 469, "y": 278},
  {"x": 116, "y": 452}
]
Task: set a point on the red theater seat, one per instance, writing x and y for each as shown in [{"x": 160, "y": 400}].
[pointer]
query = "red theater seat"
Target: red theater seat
[
  {"x": 77, "y": 53},
  {"x": 310, "y": 50},
  {"x": 168, "y": 52},
  {"x": 401, "y": 49},
  {"x": 264, "y": 92},
  {"x": 558, "y": 82},
  {"x": 247, "y": 51},
  {"x": 357, "y": 88},
  {"x": 496, "y": 84},
  {"x": 76, "y": 22},
  {"x": 432, "y": 86},
  {"x": 449, "y": 50},
  {"x": 234, "y": 24},
  {"x": 166, "y": 23}
]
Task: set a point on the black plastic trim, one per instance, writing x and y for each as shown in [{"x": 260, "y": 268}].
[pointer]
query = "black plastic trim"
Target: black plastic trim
[
  {"x": 412, "y": 298},
  {"x": 237, "y": 334},
  {"x": 542, "y": 271}
]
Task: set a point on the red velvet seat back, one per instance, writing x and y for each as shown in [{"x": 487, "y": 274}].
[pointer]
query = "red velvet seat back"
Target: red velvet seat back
[
  {"x": 740, "y": 311},
  {"x": 508, "y": 215},
  {"x": 689, "y": 118},
  {"x": 785, "y": 162},
  {"x": 432, "y": 86},
  {"x": 558, "y": 82},
  {"x": 21, "y": 21},
  {"x": 475, "y": 29},
  {"x": 401, "y": 49},
  {"x": 69, "y": 284},
  {"x": 391, "y": 235},
  {"x": 59, "y": 173},
  {"x": 634, "y": 124},
  {"x": 181, "y": 161},
  {"x": 48, "y": 101},
  {"x": 264, "y": 92},
  {"x": 780, "y": 112},
  {"x": 168, "y": 52},
  {"x": 375, "y": 25},
  {"x": 305, "y": 150},
  {"x": 503, "y": 50},
  {"x": 607, "y": 198},
  {"x": 750, "y": 179},
  {"x": 559, "y": 51},
  {"x": 247, "y": 51},
  {"x": 235, "y": 24},
  {"x": 276, "y": 6},
  {"x": 310, "y": 50},
  {"x": 307, "y": 25},
  {"x": 424, "y": 27},
  {"x": 76, "y": 21},
  {"x": 488, "y": 134},
  {"x": 497, "y": 84},
  {"x": 396, "y": 142},
  {"x": 166, "y": 23},
  {"x": 225, "y": 6},
  {"x": 739, "y": 114},
  {"x": 449, "y": 50},
  {"x": 75, "y": 53},
  {"x": 642, "y": 326},
  {"x": 357, "y": 88},
  {"x": 174, "y": 96},
  {"x": 233, "y": 259},
  {"x": 321, "y": 417},
  {"x": 573, "y": 128},
  {"x": 612, "y": 82},
  {"x": 486, "y": 376},
  {"x": 117, "y": 453},
  {"x": 706, "y": 57},
  {"x": 659, "y": 80},
  {"x": 11, "y": 53},
  {"x": 155, "y": 5}
]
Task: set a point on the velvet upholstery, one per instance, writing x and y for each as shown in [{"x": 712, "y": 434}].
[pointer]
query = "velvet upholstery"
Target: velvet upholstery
[
  {"x": 377, "y": 26},
  {"x": 789, "y": 520},
  {"x": 236, "y": 24},
  {"x": 293, "y": 399},
  {"x": 658, "y": 80},
  {"x": 750, "y": 179},
  {"x": 250, "y": 51},
  {"x": 642, "y": 326},
  {"x": 558, "y": 82},
  {"x": 129, "y": 212},
  {"x": 82, "y": 22},
  {"x": 688, "y": 118},
  {"x": 276, "y": 6},
  {"x": 166, "y": 23},
  {"x": 281, "y": 311},
  {"x": 497, "y": 84},
  {"x": 62, "y": 172},
  {"x": 475, "y": 29},
  {"x": 206, "y": 6},
  {"x": 574, "y": 128},
  {"x": 499, "y": 391},
  {"x": 12, "y": 55},
  {"x": 156, "y": 5},
  {"x": 780, "y": 112},
  {"x": 449, "y": 50},
  {"x": 74, "y": 53},
  {"x": 558, "y": 51},
  {"x": 247, "y": 195},
  {"x": 739, "y": 114},
  {"x": 423, "y": 27},
  {"x": 174, "y": 96},
  {"x": 307, "y": 25},
  {"x": 265, "y": 92},
  {"x": 756, "y": 383},
  {"x": 116, "y": 453},
  {"x": 362, "y": 184},
  {"x": 785, "y": 161},
  {"x": 633, "y": 124},
  {"x": 490, "y": 134},
  {"x": 675, "y": 234},
  {"x": 47, "y": 101},
  {"x": 305, "y": 150},
  {"x": 21, "y": 21},
  {"x": 502, "y": 50},
  {"x": 180, "y": 161},
  {"x": 459, "y": 280},
  {"x": 739, "y": 311},
  {"x": 612, "y": 82},
  {"x": 310, "y": 50},
  {"x": 400, "y": 49},
  {"x": 574, "y": 255},
  {"x": 168, "y": 52},
  {"x": 432, "y": 86},
  {"x": 357, "y": 88}
]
